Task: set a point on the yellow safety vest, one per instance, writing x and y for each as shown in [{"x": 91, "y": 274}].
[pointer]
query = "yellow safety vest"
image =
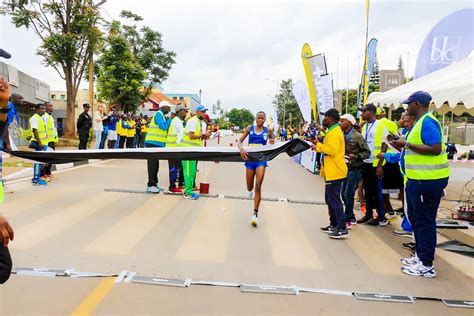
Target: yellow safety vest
[
  {"x": 155, "y": 133},
  {"x": 378, "y": 141},
  {"x": 131, "y": 131},
  {"x": 51, "y": 129},
  {"x": 144, "y": 127},
  {"x": 425, "y": 167},
  {"x": 172, "y": 134},
  {"x": 42, "y": 131},
  {"x": 187, "y": 141},
  {"x": 120, "y": 130}
]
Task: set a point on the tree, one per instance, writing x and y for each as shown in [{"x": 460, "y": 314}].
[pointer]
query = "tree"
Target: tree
[
  {"x": 286, "y": 105},
  {"x": 147, "y": 45},
  {"x": 120, "y": 79},
  {"x": 69, "y": 34},
  {"x": 240, "y": 117},
  {"x": 352, "y": 101},
  {"x": 400, "y": 63}
]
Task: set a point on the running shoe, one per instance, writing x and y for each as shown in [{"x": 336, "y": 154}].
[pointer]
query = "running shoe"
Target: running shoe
[
  {"x": 364, "y": 219},
  {"x": 327, "y": 229},
  {"x": 192, "y": 196},
  {"x": 363, "y": 208},
  {"x": 377, "y": 222},
  {"x": 391, "y": 216},
  {"x": 45, "y": 178},
  {"x": 410, "y": 261},
  {"x": 254, "y": 220},
  {"x": 154, "y": 189},
  {"x": 402, "y": 233},
  {"x": 420, "y": 269},
  {"x": 339, "y": 234},
  {"x": 39, "y": 182},
  {"x": 348, "y": 225},
  {"x": 175, "y": 190},
  {"x": 353, "y": 221},
  {"x": 409, "y": 245},
  {"x": 400, "y": 211}
]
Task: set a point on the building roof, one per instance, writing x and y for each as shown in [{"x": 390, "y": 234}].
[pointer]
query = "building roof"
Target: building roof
[{"x": 156, "y": 97}]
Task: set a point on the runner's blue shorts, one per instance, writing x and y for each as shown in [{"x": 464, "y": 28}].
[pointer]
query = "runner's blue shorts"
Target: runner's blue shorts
[{"x": 255, "y": 165}]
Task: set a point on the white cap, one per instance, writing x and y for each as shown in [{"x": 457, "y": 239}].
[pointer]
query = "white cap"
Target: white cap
[
  {"x": 350, "y": 118},
  {"x": 165, "y": 103}
]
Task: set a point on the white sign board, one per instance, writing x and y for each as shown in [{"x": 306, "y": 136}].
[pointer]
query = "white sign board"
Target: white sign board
[
  {"x": 41, "y": 90},
  {"x": 13, "y": 76}
]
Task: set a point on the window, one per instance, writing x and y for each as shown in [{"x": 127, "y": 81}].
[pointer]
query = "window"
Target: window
[
  {"x": 181, "y": 98},
  {"x": 175, "y": 98},
  {"x": 53, "y": 96},
  {"x": 63, "y": 97},
  {"x": 95, "y": 96}
]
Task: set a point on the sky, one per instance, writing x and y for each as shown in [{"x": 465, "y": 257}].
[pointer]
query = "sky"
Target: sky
[{"x": 238, "y": 51}]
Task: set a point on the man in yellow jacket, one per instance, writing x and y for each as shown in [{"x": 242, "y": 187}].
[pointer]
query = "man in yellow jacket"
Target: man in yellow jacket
[{"x": 334, "y": 170}]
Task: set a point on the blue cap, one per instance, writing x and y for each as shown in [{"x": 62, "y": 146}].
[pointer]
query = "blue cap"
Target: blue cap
[
  {"x": 418, "y": 96},
  {"x": 201, "y": 108}
]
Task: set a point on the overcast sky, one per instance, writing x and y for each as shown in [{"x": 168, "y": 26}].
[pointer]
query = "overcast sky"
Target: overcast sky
[{"x": 230, "y": 48}]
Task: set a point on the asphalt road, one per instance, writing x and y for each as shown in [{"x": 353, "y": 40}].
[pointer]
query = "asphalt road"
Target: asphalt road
[{"x": 74, "y": 223}]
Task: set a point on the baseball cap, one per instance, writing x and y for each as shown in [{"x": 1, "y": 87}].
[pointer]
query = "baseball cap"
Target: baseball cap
[
  {"x": 349, "y": 117},
  {"x": 332, "y": 113},
  {"x": 369, "y": 107},
  {"x": 165, "y": 103},
  {"x": 418, "y": 96},
  {"x": 201, "y": 108},
  {"x": 179, "y": 107}
]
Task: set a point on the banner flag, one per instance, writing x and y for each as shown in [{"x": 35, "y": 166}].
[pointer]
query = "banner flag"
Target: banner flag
[
  {"x": 368, "y": 66},
  {"x": 322, "y": 84},
  {"x": 306, "y": 53},
  {"x": 450, "y": 40},
  {"x": 301, "y": 93},
  {"x": 230, "y": 154}
]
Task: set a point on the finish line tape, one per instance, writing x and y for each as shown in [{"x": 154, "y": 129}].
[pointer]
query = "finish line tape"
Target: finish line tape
[{"x": 129, "y": 277}]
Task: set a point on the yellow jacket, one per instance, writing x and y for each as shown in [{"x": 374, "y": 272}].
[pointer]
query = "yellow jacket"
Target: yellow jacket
[{"x": 333, "y": 167}]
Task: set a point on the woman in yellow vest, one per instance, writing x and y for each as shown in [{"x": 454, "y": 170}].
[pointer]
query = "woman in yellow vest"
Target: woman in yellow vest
[
  {"x": 426, "y": 166},
  {"x": 130, "y": 131},
  {"x": 39, "y": 141},
  {"x": 122, "y": 130}
]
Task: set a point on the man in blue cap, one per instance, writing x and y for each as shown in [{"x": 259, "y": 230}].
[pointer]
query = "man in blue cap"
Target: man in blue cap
[{"x": 425, "y": 163}]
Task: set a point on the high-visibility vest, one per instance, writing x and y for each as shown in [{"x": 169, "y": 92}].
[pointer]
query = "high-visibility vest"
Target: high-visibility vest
[
  {"x": 378, "y": 141},
  {"x": 144, "y": 127},
  {"x": 187, "y": 141},
  {"x": 42, "y": 131},
  {"x": 120, "y": 130},
  {"x": 425, "y": 167},
  {"x": 131, "y": 131},
  {"x": 51, "y": 129},
  {"x": 155, "y": 133},
  {"x": 172, "y": 134}
]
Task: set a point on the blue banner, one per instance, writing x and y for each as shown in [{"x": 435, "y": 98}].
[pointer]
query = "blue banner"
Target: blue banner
[
  {"x": 448, "y": 41},
  {"x": 368, "y": 66}
]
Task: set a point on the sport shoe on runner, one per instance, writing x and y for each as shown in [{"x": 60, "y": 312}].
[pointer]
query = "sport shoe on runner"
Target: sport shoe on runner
[
  {"x": 192, "y": 196},
  {"x": 254, "y": 220},
  {"x": 410, "y": 261},
  {"x": 339, "y": 234},
  {"x": 327, "y": 229},
  {"x": 153, "y": 190},
  {"x": 348, "y": 225},
  {"x": 175, "y": 190},
  {"x": 409, "y": 245},
  {"x": 391, "y": 216},
  {"x": 45, "y": 178},
  {"x": 40, "y": 182},
  {"x": 364, "y": 219},
  {"x": 376, "y": 222},
  {"x": 402, "y": 233},
  {"x": 420, "y": 269}
]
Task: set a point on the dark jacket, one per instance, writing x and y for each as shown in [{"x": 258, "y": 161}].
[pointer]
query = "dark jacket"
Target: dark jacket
[
  {"x": 84, "y": 123},
  {"x": 357, "y": 146}
]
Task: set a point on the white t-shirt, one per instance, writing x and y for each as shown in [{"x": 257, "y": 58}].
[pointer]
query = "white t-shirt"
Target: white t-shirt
[
  {"x": 98, "y": 126},
  {"x": 179, "y": 129},
  {"x": 191, "y": 124},
  {"x": 369, "y": 135}
]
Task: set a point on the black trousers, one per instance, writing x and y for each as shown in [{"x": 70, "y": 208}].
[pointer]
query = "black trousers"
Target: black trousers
[
  {"x": 83, "y": 139},
  {"x": 153, "y": 165},
  {"x": 175, "y": 173},
  {"x": 332, "y": 197},
  {"x": 5, "y": 264},
  {"x": 369, "y": 176},
  {"x": 130, "y": 141},
  {"x": 47, "y": 167},
  {"x": 122, "y": 141}
]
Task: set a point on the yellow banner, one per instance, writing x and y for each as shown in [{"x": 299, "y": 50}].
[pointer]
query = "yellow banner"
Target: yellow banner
[{"x": 305, "y": 54}]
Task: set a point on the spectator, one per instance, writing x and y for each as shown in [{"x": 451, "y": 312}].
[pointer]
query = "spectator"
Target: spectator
[
  {"x": 451, "y": 150},
  {"x": 84, "y": 123},
  {"x": 130, "y": 131},
  {"x": 144, "y": 126},
  {"x": 173, "y": 139},
  {"x": 112, "y": 128},
  {"x": 39, "y": 141},
  {"x": 98, "y": 125},
  {"x": 52, "y": 138}
]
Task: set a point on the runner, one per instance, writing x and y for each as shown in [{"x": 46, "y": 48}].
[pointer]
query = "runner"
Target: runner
[{"x": 258, "y": 136}]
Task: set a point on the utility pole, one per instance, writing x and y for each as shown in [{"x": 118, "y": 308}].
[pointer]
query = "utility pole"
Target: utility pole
[
  {"x": 91, "y": 72},
  {"x": 408, "y": 59},
  {"x": 347, "y": 85}
]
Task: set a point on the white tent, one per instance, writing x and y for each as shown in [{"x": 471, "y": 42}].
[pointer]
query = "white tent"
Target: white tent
[{"x": 451, "y": 87}]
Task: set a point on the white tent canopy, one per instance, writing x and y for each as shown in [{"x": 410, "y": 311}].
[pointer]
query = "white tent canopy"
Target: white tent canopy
[{"x": 451, "y": 87}]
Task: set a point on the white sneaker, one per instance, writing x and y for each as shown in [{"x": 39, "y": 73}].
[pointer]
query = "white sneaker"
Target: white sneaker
[
  {"x": 254, "y": 220},
  {"x": 251, "y": 194},
  {"x": 152, "y": 190},
  {"x": 410, "y": 261},
  {"x": 420, "y": 270}
]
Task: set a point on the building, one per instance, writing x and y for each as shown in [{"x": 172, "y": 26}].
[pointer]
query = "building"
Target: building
[
  {"x": 151, "y": 105},
  {"x": 33, "y": 91},
  {"x": 390, "y": 79},
  {"x": 190, "y": 100}
]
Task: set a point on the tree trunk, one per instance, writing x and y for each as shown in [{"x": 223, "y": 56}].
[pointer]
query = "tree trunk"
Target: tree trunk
[{"x": 71, "y": 93}]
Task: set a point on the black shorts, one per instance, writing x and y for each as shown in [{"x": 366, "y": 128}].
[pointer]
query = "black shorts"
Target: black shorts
[{"x": 392, "y": 181}]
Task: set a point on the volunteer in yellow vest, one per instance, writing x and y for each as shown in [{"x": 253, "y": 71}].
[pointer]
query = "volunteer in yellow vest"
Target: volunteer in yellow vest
[
  {"x": 6, "y": 230},
  {"x": 52, "y": 138},
  {"x": 426, "y": 166},
  {"x": 156, "y": 137},
  {"x": 389, "y": 172},
  {"x": 130, "y": 131},
  {"x": 369, "y": 176},
  {"x": 174, "y": 138},
  {"x": 39, "y": 140},
  {"x": 144, "y": 127},
  {"x": 194, "y": 133},
  {"x": 122, "y": 128},
  {"x": 334, "y": 171}
]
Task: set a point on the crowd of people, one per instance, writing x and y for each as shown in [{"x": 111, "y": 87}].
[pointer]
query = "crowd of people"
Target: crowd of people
[{"x": 411, "y": 162}]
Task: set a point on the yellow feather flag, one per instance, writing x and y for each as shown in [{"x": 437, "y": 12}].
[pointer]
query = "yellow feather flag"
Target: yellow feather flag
[{"x": 305, "y": 54}]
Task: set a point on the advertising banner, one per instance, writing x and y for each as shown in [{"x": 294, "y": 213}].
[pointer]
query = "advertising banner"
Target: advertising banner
[{"x": 301, "y": 93}]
